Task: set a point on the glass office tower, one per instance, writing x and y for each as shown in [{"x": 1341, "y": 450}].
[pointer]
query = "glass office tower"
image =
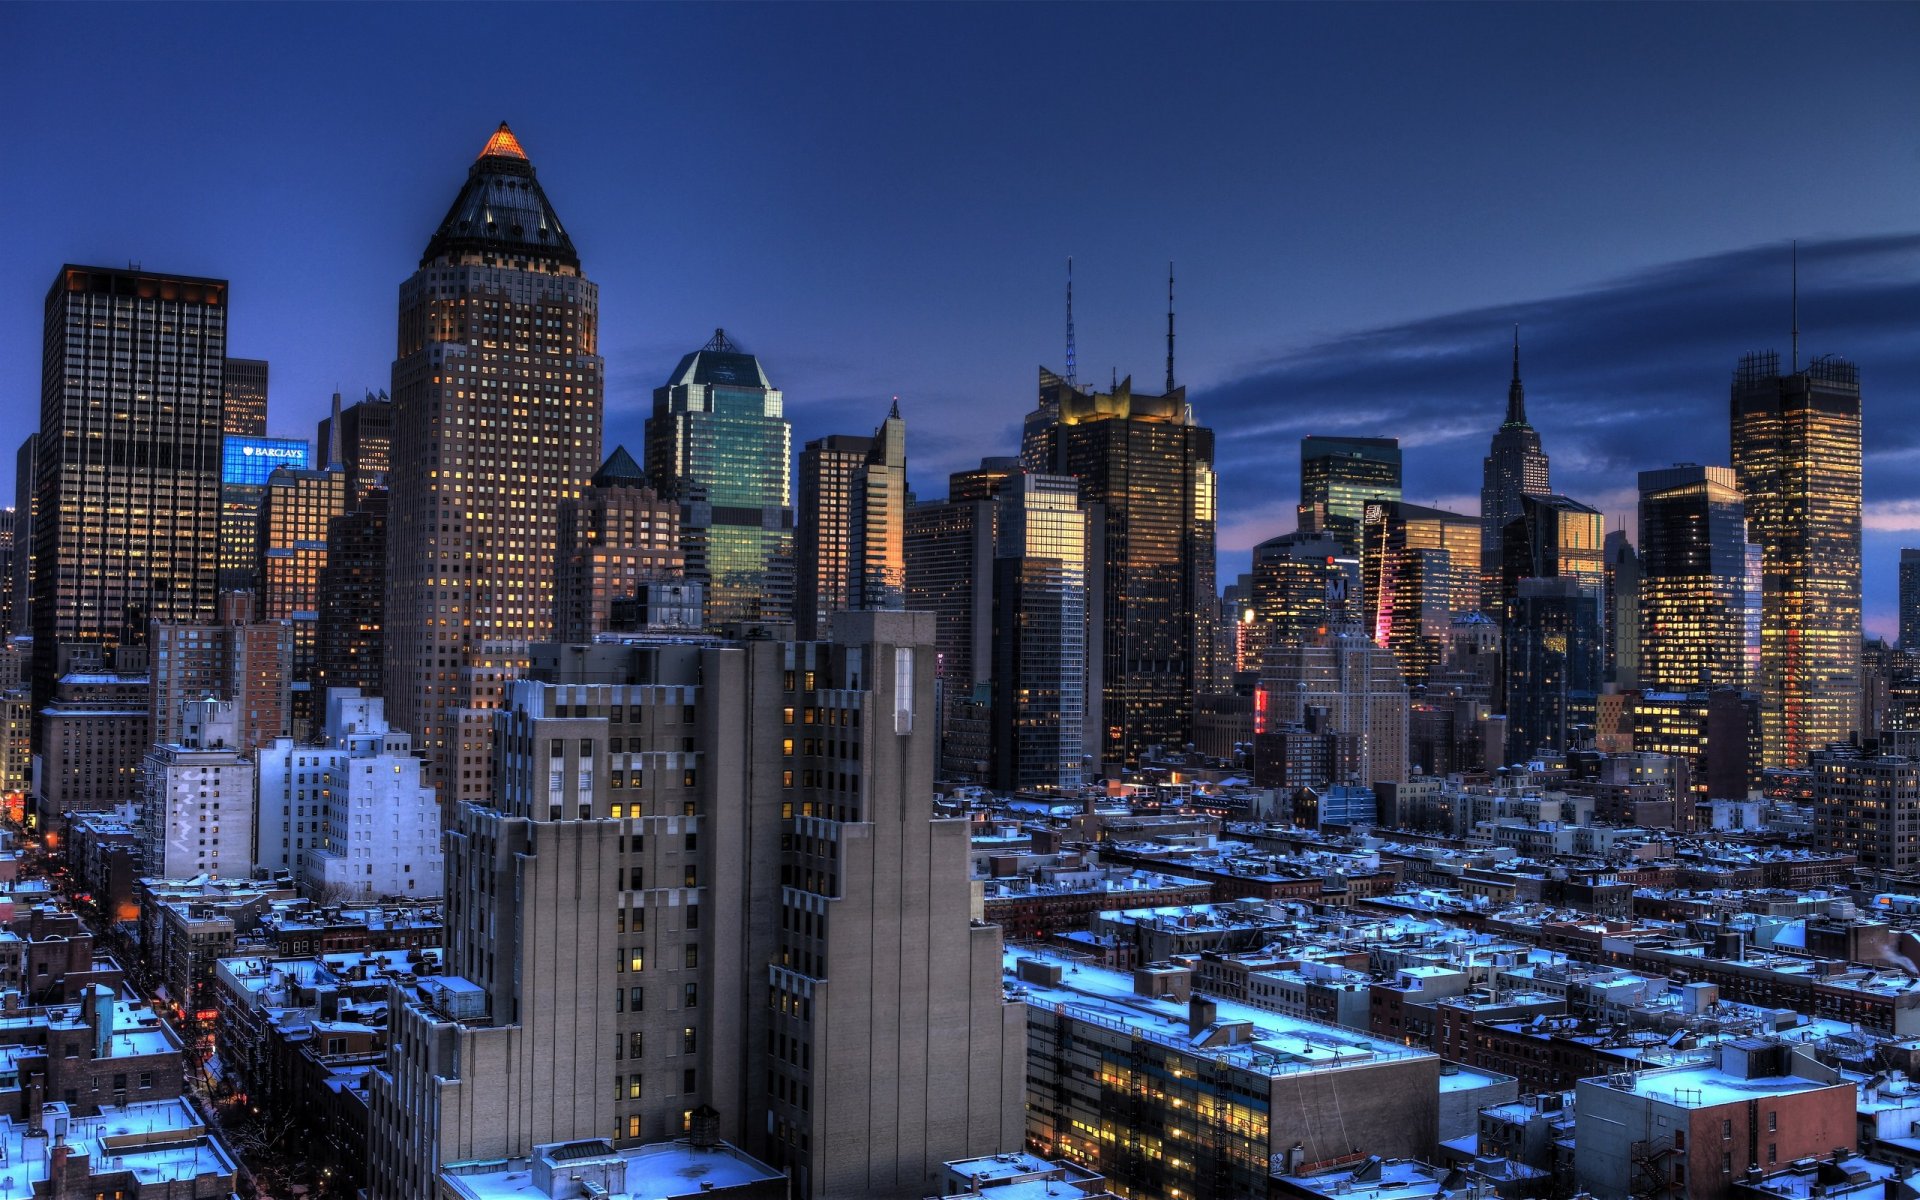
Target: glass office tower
[{"x": 1699, "y": 620}]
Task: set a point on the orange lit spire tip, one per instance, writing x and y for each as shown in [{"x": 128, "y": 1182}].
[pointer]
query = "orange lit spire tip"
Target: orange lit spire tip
[{"x": 503, "y": 145}]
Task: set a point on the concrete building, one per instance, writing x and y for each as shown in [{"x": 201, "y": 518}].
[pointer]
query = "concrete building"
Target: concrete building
[
  {"x": 616, "y": 536},
  {"x": 239, "y": 657},
  {"x": 94, "y": 734},
  {"x": 198, "y": 804},
  {"x": 496, "y": 419},
  {"x": 1339, "y": 669},
  {"x": 381, "y": 823},
  {"x": 1867, "y": 806},
  {"x": 735, "y": 845}
]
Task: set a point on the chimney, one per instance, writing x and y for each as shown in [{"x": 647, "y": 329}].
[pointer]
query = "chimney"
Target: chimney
[{"x": 1200, "y": 1014}]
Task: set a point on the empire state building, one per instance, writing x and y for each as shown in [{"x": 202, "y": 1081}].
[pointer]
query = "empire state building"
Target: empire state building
[
  {"x": 1514, "y": 467},
  {"x": 496, "y": 421}
]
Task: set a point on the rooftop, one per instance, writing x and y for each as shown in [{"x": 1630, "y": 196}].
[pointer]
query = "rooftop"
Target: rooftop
[{"x": 653, "y": 1172}]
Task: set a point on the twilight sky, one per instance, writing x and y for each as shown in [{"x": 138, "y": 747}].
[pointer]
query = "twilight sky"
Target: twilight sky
[{"x": 878, "y": 201}]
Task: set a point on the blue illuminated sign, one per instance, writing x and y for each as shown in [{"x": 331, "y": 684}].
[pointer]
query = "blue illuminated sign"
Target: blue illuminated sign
[{"x": 249, "y": 460}]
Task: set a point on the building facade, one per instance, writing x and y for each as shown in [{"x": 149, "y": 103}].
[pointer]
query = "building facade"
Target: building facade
[
  {"x": 353, "y": 599},
  {"x": 1039, "y": 634},
  {"x": 617, "y": 535},
  {"x": 296, "y": 516},
  {"x": 236, "y": 657},
  {"x": 244, "y": 397},
  {"x": 1515, "y": 466},
  {"x": 496, "y": 419},
  {"x": 1339, "y": 476},
  {"x": 1700, "y": 586},
  {"x": 1796, "y": 456},
  {"x": 198, "y": 806}
]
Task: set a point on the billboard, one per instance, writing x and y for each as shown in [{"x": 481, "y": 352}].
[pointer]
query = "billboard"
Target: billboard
[{"x": 249, "y": 460}]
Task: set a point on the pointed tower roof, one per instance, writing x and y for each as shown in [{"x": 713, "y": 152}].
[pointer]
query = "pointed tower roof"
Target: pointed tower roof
[
  {"x": 619, "y": 471},
  {"x": 501, "y": 211},
  {"x": 720, "y": 361},
  {"x": 1516, "y": 395}
]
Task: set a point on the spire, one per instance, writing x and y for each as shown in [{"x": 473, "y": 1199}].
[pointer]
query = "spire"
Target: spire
[
  {"x": 1516, "y": 395},
  {"x": 503, "y": 145},
  {"x": 1169, "y": 327},
  {"x": 1072, "y": 371},
  {"x": 722, "y": 344},
  {"x": 336, "y": 459},
  {"x": 893, "y": 414},
  {"x": 1796, "y": 306}
]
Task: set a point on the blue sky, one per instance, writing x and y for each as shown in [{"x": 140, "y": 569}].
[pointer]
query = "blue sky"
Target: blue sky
[{"x": 878, "y": 200}]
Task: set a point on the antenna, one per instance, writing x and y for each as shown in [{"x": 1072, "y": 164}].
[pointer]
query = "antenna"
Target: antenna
[
  {"x": 1072, "y": 371},
  {"x": 1796, "y": 306},
  {"x": 1169, "y": 327}
]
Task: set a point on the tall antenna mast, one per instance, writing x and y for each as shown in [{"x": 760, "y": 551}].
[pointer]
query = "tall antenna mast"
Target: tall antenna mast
[
  {"x": 1796, "y": 306},
  {"x": 1072, "y": 371},
  {"x": 1169, "y": 326}
]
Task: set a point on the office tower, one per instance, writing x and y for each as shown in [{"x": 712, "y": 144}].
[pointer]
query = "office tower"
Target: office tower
[
  {"x": 1867, "y": 806},
  {"x": 1144, "y": 460},
  {"x": 1554, "y": 537},
  {"x": 753, "y": 904},
  {"x": 1339, "y": 476},
  {"x": 1039, "y": 634},
  {"x": 1299, "y": 580},
  {"x": 1514, "y": 467},
  {"x": 850, "y": 546},
  {"x": 949, "y": 548},
  {"x": 1622, "y": 599},
  {"x": 348, "y": 815},
  {"x": 1796, "y": 455},
  {"x": 25, "y": 499},
  {"x": 353, "y": 594},
  {"x": 128, "y": 487},
  {"x": 1717, "y": 732},
  {"x": 1555, "y": 663},
  {"x": 359, "y": 438},
  {"x": 496, "y": 420},
  {"x": 617, "y": 535},
  {"x": 717, "y": 443},
  {"x": 1038, "y": 430},
  {"x": 1236, "y": 641},
  {"x": 1419, "y": 566},
  {"x": 9, "y": 532},
  {"x": 1910, "y": 600},
  {"x": 197, "y": 801},
  {"x": 1357, "y": 691},
  {"x": 1699, "y": 620},
  {"x": 93, "y": 734},
  {"x": 238, "y": 656},
  {"x": 244, "y": 397},
  {"x": 245, "y": 465},
  {"x": 296, "y": 512}
]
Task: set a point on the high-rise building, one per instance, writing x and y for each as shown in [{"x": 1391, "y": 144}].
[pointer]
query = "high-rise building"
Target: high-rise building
[
  {"x": 1300, "y": 580},
  {"x": 1717, "y": 732},
  {"x": 359, "y": 439},
  {"x": 1555, "y": 663},
  {"x": 353, "y": 599},
  {"x": 1149, "y": 465},
  {"x": 245, "y": 465},
  {"x": 238, "y": 656},
  {"x": 497, "y": 394},
  {"x": 1039, "y": 634},
  {"x": 617, "y": 535},
  {"x": 1554, "y": 537},
  {"x": 949, "y": 547},
  {"x": 1867, "y": 806},
  {"x": 1623, "y": 582},
  {"x": 244, "y": 397},
  {"x": 850, "y": 545},
  {"x": 1419, "y": 566},
  {"x": 736, "y": 874},
  {"x": 1339, "y": 476},
  {"x": 296, "y": 513},
  {"x": 9, "y": 547},
  {"x": 719, "y": 444},
  {"x": 197, "y": 807},
  {"x": 1699, "y": 609},
  {"x": 1336, "y": 681},
  {"x": 1515, "y": 466},
  {"x": 25, "y": 500},
  {"x": 127, "y": 529},
  {"x": 1910, "y": 600},
  {"x": 1796, "y": 455},
  {"x": 93, "y": 733}
]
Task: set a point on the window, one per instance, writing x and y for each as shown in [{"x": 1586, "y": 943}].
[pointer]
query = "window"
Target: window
[
  {"x": 633, "y": 1126},
  {"x": 693, "y": 996},
  {"x": 693, "y": 955},
  {"x": 637, "y": 959},
  {"x": 689, "y": 1080},
  {"x": 637, "y": 999},
  {"x": 636, "y": 1045},
  {"x": 633, "y": 1087},
  {"x": 689, "y": 1041}
]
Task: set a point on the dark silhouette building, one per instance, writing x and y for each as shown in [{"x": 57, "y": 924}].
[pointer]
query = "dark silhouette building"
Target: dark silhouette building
[{"x": 1515, "y": 466}]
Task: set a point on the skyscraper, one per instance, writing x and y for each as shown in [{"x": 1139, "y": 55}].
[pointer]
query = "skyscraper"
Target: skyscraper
[
  {"x": 297, "y": 511},
  {"x": 1555, "y": 663},
  {"x": 616, "y": 536},
  {"x": 1623, "y": 573},
  {"x": 1796, "y": 454},
  {"x": 719, "y": 444},
  {"x": 1554, "y": 536},
  {"x": 1299, "y": 581},
  {"x": 851, "y": 551},
  {"x": 1514, "y": 467},
  {"x": 239, "y": 656},
  {"x": 244, "y": 397},
  {"x": 1039, "y": 634},
  {"x": 496, "y": 419},
  {"x": 1910, "y": 600},
  {"x": 1419, "y": 566},
  {"x": 1149, "y": 466},
  {"x": 353, "y": 599},
  {"x": 359, "y": 438},
  {"x": 245, "y": 464},
  {"x": 127, "y": 503},
  {"x": 25, "y": 499},
  {"x": 1335, "y": 682},
  {"x": 1339, "y": 476},
  {"x": 1699, "y": 612},
  {"x": 736, "y": 874}
]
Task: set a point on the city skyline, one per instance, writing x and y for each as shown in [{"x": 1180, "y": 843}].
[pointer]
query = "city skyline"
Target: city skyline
[{"x": 1413, "y": 344}]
